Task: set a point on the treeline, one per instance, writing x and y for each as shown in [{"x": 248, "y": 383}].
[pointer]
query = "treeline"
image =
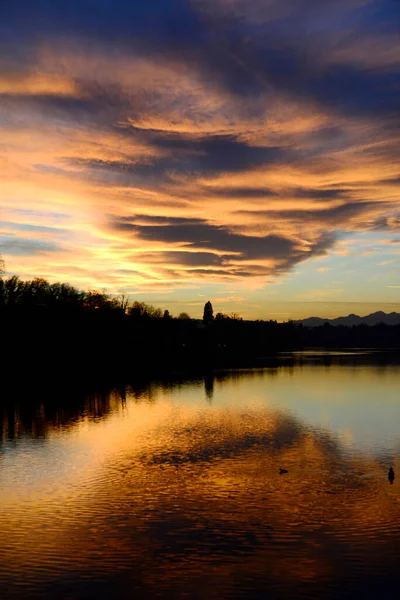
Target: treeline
[
  {"x": 54, "y": 328},
  {"x": 38, "y": 294}
]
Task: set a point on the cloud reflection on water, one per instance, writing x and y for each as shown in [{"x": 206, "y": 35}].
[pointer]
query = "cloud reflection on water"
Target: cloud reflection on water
[{"x": 172, "y": 495}]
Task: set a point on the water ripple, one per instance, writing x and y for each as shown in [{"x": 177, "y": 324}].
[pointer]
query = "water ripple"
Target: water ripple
[{"x": 177, "y": 498}]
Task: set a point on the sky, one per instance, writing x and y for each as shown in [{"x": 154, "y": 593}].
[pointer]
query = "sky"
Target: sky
[{"x": 240, "y": 151}]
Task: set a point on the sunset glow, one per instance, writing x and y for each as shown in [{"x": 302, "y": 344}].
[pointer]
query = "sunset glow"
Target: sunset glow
[{"x": 243, "y": 151}]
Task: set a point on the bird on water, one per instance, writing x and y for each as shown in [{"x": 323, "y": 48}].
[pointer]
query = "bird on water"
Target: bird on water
[
  {"x": 282, "y": 471},
  {"x": 391, "y": 475}
]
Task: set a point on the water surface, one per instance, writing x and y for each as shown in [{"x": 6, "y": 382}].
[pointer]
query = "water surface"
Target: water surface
[{"x": 171, "y": 489}]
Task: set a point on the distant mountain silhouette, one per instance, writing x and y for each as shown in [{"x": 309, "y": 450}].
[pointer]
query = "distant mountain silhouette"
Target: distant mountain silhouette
[{"x": 375, "y": 318}]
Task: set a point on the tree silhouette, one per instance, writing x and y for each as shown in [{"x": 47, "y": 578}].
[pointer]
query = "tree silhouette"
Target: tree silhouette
[
  {"x": 141, "y": 310},
  {"x": 184, "y": 316},
  {"x": 208, "y": 314},
  {"x": 123, "y": 302}
]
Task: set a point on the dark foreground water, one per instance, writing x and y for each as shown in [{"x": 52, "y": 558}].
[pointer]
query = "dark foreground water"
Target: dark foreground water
[{"x": 172, "y": 489}]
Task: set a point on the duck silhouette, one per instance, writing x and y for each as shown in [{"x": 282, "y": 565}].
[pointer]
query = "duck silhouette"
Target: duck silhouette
[
  {"x": 391, "y": 475},
  {"x": 282, "y": 471}
]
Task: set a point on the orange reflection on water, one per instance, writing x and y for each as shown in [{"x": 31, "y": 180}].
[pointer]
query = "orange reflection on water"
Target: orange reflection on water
[{"x": 152, "y": 490}]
